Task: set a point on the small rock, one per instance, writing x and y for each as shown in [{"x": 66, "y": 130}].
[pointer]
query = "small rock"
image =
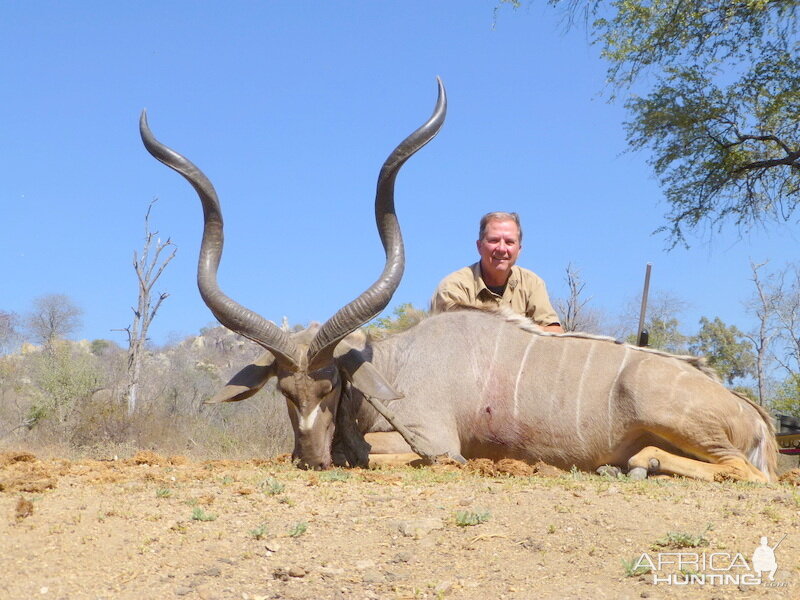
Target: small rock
[
  {"x": 297, "y": 572},
  {"x": 362, "y": 565},
  {"x": 443, "y": 588},
  {"x": 272, "y": 545},
  {"x": 280, "y": 573},
  {"x": 373, "y": 576},
  {"x": 530, "y": 543},
  {"x": 419, "y": 527},
  {"x": 403, "y": 557},
  {"x": 330, "y": 571},
  {"x": 183, "y": 591},
  {"x": 24, "y": 509},
  {"x": 206, "y": 592},
  {"x": 210, "y": 572}
]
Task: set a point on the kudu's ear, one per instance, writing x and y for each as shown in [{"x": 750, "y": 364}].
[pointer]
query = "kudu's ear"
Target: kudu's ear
[
  {"x": 352, "y": 357},
  {"x": 247, "y": 381}
]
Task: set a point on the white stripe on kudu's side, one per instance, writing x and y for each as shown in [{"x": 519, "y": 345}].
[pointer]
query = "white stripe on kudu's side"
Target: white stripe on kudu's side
[
  {"x": 519, "y": 374},
  {"x": 587, "y": 365}
]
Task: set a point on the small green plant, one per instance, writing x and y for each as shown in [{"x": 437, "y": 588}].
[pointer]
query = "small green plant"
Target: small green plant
[
  {"x": 680, "y": 539},
  {"x": 771, "y": 513},
  {"x": 260, "y": 532},
  {"x": 163, "y": 493},
  {"x": 467, "y": 518},
  {"x": 198, "y": 514},
  {"x": 226, "y": 480},
  {"x": 551, "y": 528},
  {"x": 272, "y": 487},
  {"x": 298, "y": 529},
  {"x": 632, "y": 570},
  {"x": 335, "y": 475}
]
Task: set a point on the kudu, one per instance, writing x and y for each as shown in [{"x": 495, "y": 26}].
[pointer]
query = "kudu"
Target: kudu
[
  {"x": 309, "y": 365},
  {"x": 477, "y": 384}
]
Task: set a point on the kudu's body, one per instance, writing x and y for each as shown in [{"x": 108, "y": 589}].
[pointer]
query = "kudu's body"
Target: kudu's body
[
  {"x": 476, "y": 384},
  {"x": 490, "y": 385}
]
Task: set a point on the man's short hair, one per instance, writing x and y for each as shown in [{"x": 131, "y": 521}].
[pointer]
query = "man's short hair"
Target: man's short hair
[{"x": 499, "y": 216}]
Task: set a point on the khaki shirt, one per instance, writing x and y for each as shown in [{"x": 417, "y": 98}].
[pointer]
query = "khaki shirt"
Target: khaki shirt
[{"x": 525, "y": 294}]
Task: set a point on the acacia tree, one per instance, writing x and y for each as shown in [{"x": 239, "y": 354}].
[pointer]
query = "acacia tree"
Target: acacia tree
[
  {"x": 725, "y": 347},
  {"x": 148, "y": 267},
  {"x": 661, "y": 322},
  {"x": 720, "y": 93}
]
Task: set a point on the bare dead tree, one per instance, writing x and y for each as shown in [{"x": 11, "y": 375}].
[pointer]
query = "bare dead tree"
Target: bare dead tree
[
  {"x": 54, "y": 316},
  {"x": 788, "y": 319},
  {"x": 8, "y": 331},
  {"x": 573, "y": 312},
  {"x": 764, "y": 305},
  {"x": 148, "y": 267}
]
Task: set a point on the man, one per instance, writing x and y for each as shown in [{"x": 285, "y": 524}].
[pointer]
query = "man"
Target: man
[{"x": 495, "y": 280}]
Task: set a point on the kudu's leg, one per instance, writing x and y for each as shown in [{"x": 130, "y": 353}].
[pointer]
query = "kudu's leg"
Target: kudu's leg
[
  {"x": 655, "y": 460},
  {"x": 416, "y": 442}
]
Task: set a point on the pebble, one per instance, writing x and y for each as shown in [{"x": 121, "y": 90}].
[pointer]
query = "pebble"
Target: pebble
[{"x": 297, "y": 572}]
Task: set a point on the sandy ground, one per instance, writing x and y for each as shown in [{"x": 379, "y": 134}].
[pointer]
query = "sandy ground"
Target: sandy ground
[{"x": 166, "y": 527}]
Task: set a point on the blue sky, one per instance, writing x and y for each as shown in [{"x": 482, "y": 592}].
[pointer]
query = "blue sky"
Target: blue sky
[{"x": 290, "y": 110}]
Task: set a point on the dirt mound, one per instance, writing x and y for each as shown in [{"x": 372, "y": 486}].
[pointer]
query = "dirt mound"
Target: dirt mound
[
  {"x": 23, "y": 472},
  {"x": 791, "y": 477},
  {"x": 511, "y": 468},
  {"x": 8, "y": 458}
]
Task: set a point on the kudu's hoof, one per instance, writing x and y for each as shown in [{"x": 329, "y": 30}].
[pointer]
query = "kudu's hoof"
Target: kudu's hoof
[
  {"x": 637, "y": 473},
  {"x": 609, "y": 471}
]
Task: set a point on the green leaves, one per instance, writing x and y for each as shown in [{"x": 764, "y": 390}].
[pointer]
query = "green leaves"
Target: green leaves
[
  {"x": 720, "y": 114},
  {"x": 725, "y": 348}
]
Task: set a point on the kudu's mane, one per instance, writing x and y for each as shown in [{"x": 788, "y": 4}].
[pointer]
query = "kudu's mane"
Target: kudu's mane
[{"x": 527, "y": 325}]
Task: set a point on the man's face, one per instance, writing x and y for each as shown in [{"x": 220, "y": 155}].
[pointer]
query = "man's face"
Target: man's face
[{"x": 499, "y": 250}]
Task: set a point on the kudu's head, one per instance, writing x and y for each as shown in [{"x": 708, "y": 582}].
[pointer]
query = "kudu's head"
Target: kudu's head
[{"x": 311, "y": 366}]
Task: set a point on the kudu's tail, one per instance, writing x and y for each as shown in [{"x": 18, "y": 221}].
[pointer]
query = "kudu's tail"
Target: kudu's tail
[{"x": 763, "y": 453}]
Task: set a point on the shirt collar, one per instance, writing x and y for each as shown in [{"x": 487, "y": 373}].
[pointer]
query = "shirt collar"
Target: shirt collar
[{"x": 480, "y": 284}]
